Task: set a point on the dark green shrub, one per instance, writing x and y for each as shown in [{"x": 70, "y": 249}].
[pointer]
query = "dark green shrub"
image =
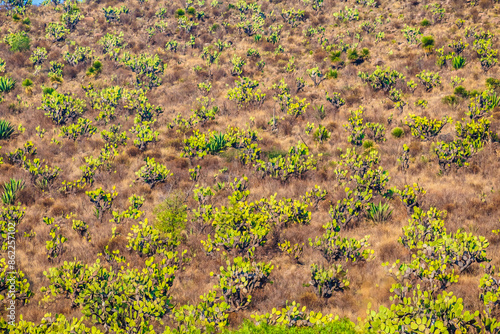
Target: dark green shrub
[
  {"x": 180, "y": 12},
  {"x": 425, "y": 23},
  {"x": 428, "y": 43},
  {"x": 493, "y": 83},
  {"x": 450, "y": 100},
  {"x": 274, "y": 153},
  {"x": 367, "y": 144},
  {"x": 18, "y": 41},
  {"x": 95, "y": 69},
  {"x": 397, "y": 132},
  {"x": 461, "y": 91},
  {"x": 47, "y": 90}
]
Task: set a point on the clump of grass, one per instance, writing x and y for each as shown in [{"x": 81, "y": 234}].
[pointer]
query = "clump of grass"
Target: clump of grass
[{"x": 397, "y": 132}]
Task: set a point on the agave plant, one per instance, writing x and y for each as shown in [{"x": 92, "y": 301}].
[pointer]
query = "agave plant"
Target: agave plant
[
  {"x": 10, "y": 190},
  {"x": 216, "y": 143},
  {"x": 379, "y": 212},
  {"x": 458, "y": 62},
  {"x": 6, "y": 129},
  {"x": 6, "y": 84}
]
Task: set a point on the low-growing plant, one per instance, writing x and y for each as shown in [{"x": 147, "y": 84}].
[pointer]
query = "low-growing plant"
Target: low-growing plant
[
  {"x": 397, "y": 132},
  {"x": 18, "y": 41},
  {"x": 6, "y": 129},
  {"x": 10, "y": 191},
  {"x": 6, "y": 84},
  {"x": 153, "y": 173},
  {"x": 328, "y": 280},
  {"x": 379, "y": 213}
]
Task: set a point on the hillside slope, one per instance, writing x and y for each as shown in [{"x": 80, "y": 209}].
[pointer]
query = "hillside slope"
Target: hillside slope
[{"x": 254, "y": 154}]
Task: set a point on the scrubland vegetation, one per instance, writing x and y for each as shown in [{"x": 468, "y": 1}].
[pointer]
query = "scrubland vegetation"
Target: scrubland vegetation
[{"x": 203, "y": 166}]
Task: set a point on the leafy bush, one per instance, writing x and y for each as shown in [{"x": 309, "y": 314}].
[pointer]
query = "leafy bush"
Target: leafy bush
[
  {"x": 342, "y": 326},
  {"x": 384, "y": 79},
  {"x": 112, "y": 14},
  {"x": 427, "y": 43},
  {"x": 429, "y": 79},
  {"x": 56, "y": 31},
  {"x": 153, "y": 173},
  {"x": 102, "y": 201},
  {"x": 424, "y": 128},
  {"x": 61, "y": 108},
  {"x": 291, "y": 316},
  {"x": 240, "y": 278},
  {"x": 328, "y": 280},
  {"x": 18, "y": 41},
  {"x": 82, "y": 129}
]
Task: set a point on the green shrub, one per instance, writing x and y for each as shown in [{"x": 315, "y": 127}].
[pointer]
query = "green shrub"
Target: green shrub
[
  {"x": 367, "y": 144},
  {"x": 428, "y": 43},
  {"x": 342, "y": 326},
  {"x": 450, "y": 100},
  {"x": 95, "y": 69},
  {"x": 171, "y": 214},
  {"x": 332, "y": 74},
  {"x": 6, "y": 129},
  {"x": 425, "y": 23},
  {"x": 180, "y": 12},
  {"x": 493, "y": 83},
  {"x": 18, "y": 41},
  {"x": 461, "y": 91},
  {"x": 275, "y": 153},
  {"x": 47, "y": 90},
  {"x": 397, "y": 132}
]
